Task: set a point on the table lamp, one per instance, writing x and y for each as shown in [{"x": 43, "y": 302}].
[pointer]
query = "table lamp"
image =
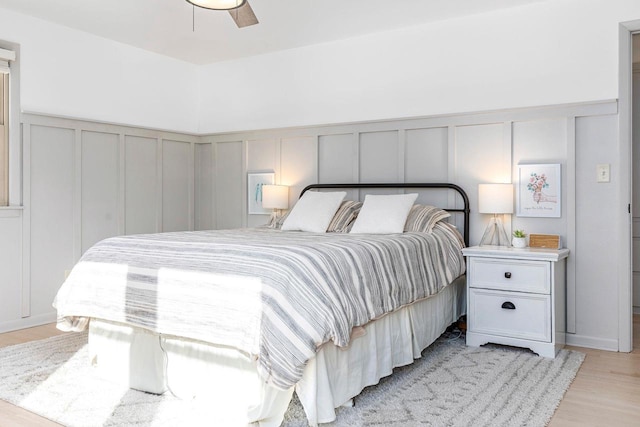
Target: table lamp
[
  {"x": 496, "y": 199},
  {"x": 275, "y": 197}
]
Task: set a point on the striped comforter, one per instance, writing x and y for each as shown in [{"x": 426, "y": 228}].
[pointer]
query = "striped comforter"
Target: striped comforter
[{"x": 275, "y": 295}]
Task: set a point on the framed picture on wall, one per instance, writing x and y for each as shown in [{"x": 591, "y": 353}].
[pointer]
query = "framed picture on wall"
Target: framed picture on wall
[
  {"x": 255, "y": 181},
  {"x": 538, "y": 191}
]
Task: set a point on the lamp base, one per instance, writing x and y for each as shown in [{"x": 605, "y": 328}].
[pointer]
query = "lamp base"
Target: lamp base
[
  {"x": 495, "y": 235},
  {"x": 273, "y": 219}
]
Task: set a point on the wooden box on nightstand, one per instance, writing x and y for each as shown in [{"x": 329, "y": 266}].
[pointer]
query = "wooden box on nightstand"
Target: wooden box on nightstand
[{"x": 516, "y": 297}]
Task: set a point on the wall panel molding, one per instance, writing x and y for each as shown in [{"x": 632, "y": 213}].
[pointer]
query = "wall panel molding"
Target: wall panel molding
[
  {"x": 463, "y": 119},
  {"x": 478, "y": 147},
  {"x": 98, "y": 126},
  {"x": 329, "y": 167},
  {"x": 77, "y": 194},
  {"x": 85, "y": 211},
  {"x": 333, "y": 152},
  {"x": 158, "y": 186},
  {"x": 25, "y": 284},
  {"x": 570, "y": 210}
]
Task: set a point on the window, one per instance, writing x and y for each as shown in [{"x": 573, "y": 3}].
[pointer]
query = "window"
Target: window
[
  {"x": 5, "y": 57},
  {"x": 4, "y": 139}
]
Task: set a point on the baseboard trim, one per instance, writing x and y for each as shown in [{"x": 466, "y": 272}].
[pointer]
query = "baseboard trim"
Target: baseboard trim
[
  {"x": 592, "y": 342},
  {"x": 28, "y": 322}
]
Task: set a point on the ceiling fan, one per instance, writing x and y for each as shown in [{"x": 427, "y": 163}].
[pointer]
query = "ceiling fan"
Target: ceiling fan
[{"x": 240, "y": 10}]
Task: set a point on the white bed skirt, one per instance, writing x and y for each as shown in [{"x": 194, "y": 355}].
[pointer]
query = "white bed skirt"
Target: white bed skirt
[{"x": 227, "y": 380}]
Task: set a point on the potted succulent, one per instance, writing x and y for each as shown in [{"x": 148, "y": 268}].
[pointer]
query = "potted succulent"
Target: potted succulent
[{"x": 519, "y": 239}]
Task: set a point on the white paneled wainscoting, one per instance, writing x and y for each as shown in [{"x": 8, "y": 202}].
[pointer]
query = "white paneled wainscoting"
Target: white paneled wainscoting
[
  {"x": 85, "y": 181},
  {"x": 466, "y": 149}
]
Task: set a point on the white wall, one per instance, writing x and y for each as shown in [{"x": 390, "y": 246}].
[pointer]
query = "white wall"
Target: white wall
[
  {"x": 70, "y": 73},
  {"x": 541, "y": 54},
  {"x": 546, "y": 53}
]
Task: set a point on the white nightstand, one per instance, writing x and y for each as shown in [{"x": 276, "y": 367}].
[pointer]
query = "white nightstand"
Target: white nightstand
[{"x": 516, "y": 297}]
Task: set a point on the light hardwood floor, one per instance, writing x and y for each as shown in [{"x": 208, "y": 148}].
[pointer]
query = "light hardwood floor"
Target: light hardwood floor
[{"x": 606, "y": 391}]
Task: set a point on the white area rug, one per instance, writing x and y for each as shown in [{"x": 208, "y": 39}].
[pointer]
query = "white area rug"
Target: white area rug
[{"x": 452, "y": 385}]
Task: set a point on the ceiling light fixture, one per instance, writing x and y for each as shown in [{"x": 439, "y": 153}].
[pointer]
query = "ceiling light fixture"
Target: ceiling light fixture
[{"x": 218, "y": 4}]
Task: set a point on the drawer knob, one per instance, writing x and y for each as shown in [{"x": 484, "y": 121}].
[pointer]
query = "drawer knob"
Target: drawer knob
[
  {"x": 508, "y": 305},
  {"x": 507, "y": 275}
]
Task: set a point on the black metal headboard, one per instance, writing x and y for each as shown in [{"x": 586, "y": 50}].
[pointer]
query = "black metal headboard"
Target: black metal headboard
[{"x": 465, "y": 210}]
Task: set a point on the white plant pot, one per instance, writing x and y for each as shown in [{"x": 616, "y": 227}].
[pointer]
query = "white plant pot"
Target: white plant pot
[{"x": 519, "y": 242}]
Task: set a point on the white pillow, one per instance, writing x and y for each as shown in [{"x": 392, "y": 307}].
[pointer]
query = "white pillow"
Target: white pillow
[
  {"x": 314, "y": 211},
  {"x": 384, "y": 214}
]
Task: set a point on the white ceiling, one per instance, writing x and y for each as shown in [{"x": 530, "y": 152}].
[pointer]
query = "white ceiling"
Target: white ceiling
[{"x": 165, "y": 26}]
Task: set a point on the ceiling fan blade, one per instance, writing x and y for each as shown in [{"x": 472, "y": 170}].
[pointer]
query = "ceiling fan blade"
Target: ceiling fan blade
[{"x": 244, "y": 16}]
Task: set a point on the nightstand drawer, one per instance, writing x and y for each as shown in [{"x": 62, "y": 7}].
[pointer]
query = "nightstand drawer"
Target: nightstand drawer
[
  {"x": 510, "y": 314},
  {"x": 510, "y": 275}
]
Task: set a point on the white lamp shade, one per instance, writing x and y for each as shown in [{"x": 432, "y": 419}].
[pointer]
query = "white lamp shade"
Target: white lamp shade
[
  {"x": 218, "y": 4},
  {"x": 275, "y": 196},
  {"x": 495, "y": 198}
]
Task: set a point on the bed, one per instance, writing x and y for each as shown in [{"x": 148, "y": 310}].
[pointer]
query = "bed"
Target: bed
[{"x": 321, "y": 314}]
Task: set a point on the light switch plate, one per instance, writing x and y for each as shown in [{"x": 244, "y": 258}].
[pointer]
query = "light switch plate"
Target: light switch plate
[{"x": 603, "y": 172}]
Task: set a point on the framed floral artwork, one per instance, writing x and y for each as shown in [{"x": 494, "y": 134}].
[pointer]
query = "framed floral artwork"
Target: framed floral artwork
[{"x": 538, "y": 192}]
